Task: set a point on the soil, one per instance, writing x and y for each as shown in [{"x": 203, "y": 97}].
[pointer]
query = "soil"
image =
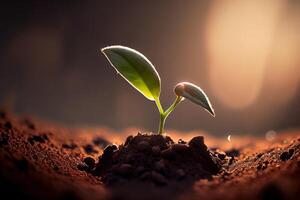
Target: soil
[{"x": 45, "y": 161}]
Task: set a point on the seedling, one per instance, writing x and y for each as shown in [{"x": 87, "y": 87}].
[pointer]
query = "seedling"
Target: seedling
[{"x": 139, "y": 72}]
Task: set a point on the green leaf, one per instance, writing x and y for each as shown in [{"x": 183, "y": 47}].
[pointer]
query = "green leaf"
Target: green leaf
[
  {"x": 135, "y": 68},
  {"x": 194, "y": 94}
]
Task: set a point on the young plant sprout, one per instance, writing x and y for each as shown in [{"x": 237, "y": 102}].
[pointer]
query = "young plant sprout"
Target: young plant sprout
[{"x": 139, "y": 72}]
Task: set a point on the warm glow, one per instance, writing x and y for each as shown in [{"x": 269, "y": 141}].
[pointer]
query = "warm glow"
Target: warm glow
[
  {"x": 239, "y": 40},
  {"x": 283, "y": 77}
]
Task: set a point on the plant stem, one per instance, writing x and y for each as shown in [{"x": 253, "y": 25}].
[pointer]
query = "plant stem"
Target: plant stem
[
  {"x": 158, "y": 104},
  {"x": 164, "y": 114},
  {"x": 161, "y": 124},
  {"x": 173, "y": 105}
]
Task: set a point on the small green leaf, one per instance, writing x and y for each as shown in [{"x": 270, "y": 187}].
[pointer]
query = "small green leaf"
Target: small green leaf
[
  {"x": 135, "y": 68},
  {"x": 194, "y": 94}
]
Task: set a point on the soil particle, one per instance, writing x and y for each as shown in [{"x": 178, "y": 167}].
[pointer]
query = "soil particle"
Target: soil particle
[
  {"x": 263, "y": 166},
  {"x": 160, "y": 166},
  {"x": 180, "y": 141},
  {"x": 198, "y": 143},
  {"x": 181, "y": 149},
  {"x": 128, "y": 140},
  {"x": 286, "y": 155},
  {"x": 231, "y": 160},
  {"x": 38, "y": 138},
  {"x": 168, "y": 154},
  {"x": 69, "y": 146},
  {"x": 159, "y": 140},
  {"x": 259, "y": 155},
  {"x": 101, "y": 142},
  {"x": 124, "y": 169},
  {"x": 156, "y": 150},
  {"x": 110, "y": 149},
  {"x": 221, "y": 156},
  {"x": 83, "y": 167},
  {"x": 89, "y": 149},
  {"x": 55, "y": 168},
  {"x": 144, "y": 146},
  {"x": 89, "y": 161},
  {"x": 129, "y": 158},
  {"x": 233, "y": 153}
]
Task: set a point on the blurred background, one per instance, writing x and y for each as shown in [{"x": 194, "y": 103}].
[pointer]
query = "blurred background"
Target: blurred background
[{"x": 244, "y": 54}]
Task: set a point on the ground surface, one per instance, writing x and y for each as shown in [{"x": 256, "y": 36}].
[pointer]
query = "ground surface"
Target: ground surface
[{"x": 42, "y": 161}]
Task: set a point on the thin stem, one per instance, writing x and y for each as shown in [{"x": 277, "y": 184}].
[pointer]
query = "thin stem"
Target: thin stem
[
  {"x": 173, "y": 105},
  {"x": 158, "y": 104},
  {"x": 161, "y": 114},
  {"x": 161, "y": 124},
  {"x": 164, "y": 114}
]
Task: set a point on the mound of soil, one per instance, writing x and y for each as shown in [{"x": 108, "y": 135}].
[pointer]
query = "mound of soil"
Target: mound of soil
[
  {"x": 42, "y": 161},
  {"x": 156, "y": 159}
]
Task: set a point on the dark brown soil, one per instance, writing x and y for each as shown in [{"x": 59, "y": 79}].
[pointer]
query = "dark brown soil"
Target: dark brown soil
[
  {"x": 41, "y": 161},
  {"x": 150, "y": 158}
]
